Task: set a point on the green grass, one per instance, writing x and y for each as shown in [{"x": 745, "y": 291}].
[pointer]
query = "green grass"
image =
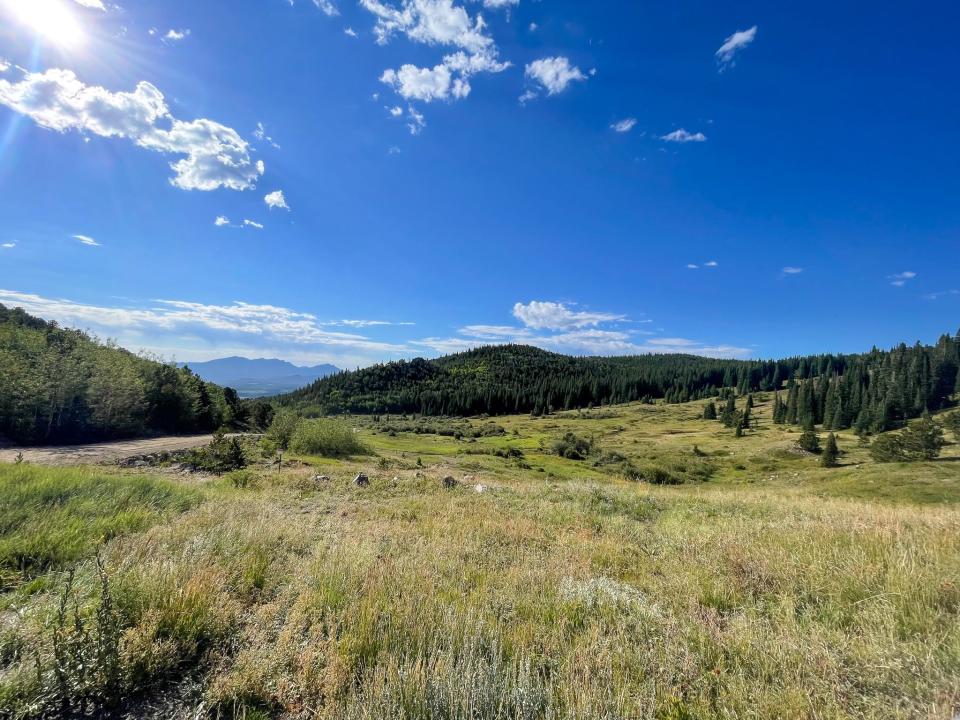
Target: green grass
[
  {"x": 51, "y": 517},
  {"x": 562, "y": 590}
]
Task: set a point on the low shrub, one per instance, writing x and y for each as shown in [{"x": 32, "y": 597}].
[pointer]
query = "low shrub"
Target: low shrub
[
  {"x": 573, "y": 447},
  {"x": 222, "y": 455}
]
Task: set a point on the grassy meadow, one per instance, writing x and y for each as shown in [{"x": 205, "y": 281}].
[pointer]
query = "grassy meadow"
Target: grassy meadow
[{"x": 763, "y": 586}]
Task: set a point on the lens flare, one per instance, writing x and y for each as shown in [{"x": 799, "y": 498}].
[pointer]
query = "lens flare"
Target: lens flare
[{"x": 52, "y": 19}]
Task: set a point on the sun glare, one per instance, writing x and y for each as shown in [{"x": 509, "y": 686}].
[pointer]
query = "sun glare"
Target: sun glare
[{"x": 53, "y": 19}]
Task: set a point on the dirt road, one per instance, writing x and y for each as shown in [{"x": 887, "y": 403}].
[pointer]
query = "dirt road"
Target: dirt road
[{"x": 102, "y": 452}]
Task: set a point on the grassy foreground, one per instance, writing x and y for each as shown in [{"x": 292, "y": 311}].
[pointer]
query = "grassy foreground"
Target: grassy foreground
[{"x": 540, "y": 587}]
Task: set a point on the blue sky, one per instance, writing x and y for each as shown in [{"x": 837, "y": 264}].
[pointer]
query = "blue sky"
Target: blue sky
[{"x": 349, "y": 182}]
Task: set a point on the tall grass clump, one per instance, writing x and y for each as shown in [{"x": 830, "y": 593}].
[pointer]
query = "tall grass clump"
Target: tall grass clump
[{"x": 328, "y": 438}]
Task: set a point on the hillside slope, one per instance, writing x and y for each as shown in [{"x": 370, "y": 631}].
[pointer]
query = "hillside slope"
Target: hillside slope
[
  {"x": 874, "y": 391},
  {"x": 60, "y": 386}
]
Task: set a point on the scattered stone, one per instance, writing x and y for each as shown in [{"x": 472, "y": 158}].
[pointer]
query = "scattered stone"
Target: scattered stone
[
  {"x": 449, "y": 482},
  {"x": 361, "y": 480},
  {"x": 318, "y": 479},
  {"x": 396, "y": 478},
  {"x": 481, "y": 488}
]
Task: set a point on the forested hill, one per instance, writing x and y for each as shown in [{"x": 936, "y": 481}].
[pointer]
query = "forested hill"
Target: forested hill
[
  {"x": 59, "y": 385},
  {"x": 879, "y": 389}
]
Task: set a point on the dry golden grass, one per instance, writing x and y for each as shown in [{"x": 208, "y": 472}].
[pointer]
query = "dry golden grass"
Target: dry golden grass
[{"x": 776, "y": 589}]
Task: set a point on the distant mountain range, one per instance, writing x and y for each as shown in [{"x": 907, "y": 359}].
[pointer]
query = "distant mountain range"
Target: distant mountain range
[{"x": 259, "y": 378}]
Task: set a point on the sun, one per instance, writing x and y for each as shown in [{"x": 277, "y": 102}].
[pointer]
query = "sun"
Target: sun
[{"x": 53, "y": 19}]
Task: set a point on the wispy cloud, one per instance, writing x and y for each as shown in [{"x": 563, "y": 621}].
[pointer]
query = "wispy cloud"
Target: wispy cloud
[
  {"x": 682, "y": 136},
  {"x": 261, "y": 134},
  {"x": 252, "y": 224},
  {"x": 792, "y": 270},
  {"x": 708, "y": 264},
  {"x": 8, "y": 245},
  {"x": 86, "y": 240},
  {"x": 726, "y": 55},
  {"x": 198, "y": 330},
  {"x": 942, "y": 293},
  {"x": 901, "y": 279},
  {"x": 624, "y": 126}
]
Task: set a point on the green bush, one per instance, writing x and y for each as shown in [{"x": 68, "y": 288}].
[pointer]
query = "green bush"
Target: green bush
[
  {"x": 222, "y": 455},
  {"x": 283, "y": 428},
  {"x": 573, "y": 447},
  {"x": 329, "y": 438}
]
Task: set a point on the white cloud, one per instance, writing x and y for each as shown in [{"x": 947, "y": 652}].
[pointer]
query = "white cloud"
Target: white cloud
[
  {"x": 395, "y": 111},
  {"x": 86, "y": 240},
  {"x": 791, "y": 270},
  {"x": 8, "y": 245},
  {"x": 350, "y": 31},
  {"x": 252, "y": 224},
  {"x": 276, "y": 200},
  {"x": 711, "y": 264},
  {"x": 328, "y": 7},
  {"x": 498, "y": 4},
  {"x": 4, "y": 65},
  {"x": 221, "y": 221},
  {"x": 693, "y": 266},
  {"x": 557, "y": 316},
  {"x": 95, "y": 4},
  {"x": 553, "y": 74},
  {"x": 176, "y": 35},
  {"x": 436, "y": 22},
  {"x": 624, "y": 126},
  {"x": 216, "y": 155},
  {"x": 900, "y": 279},
  {"x": 726, "y": 55},
  {"x": 682, "y": 136},
  {"x": 533, "y": 27}
]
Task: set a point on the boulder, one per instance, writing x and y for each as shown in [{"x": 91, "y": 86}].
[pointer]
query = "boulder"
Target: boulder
[
  {"x": 449, "y": 482},
  {"x": 361, "y": 480}
]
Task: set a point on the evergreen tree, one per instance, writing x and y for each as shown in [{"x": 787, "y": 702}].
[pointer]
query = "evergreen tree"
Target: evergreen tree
[
  {"x": 922, "y": 440},
  {"x": 831, "y": 453},
  {"x": 809, "y": 441},
  {"x": 710, "y": 411}
]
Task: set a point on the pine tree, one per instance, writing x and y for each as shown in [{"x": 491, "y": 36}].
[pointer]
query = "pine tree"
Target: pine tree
[
  {"x": 831, "y": 452},
  {"x": 727, "y": 417},
  {"x": 792, "y": 402},
  {"x": 922, "y": 440},
  {"x": 809, "y": 441},
  {"x": 710, "y": 411}
]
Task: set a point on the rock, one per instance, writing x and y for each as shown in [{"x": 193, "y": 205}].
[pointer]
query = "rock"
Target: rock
[
  {"x": 481, "y": 488},
  {"x": 361, "y": 480},
  {"x": 396, "y": 478},
  {"x": 320, "y": 479},
  {"x": 449, "y": 482},
  {"x": 140, "y": 464}
]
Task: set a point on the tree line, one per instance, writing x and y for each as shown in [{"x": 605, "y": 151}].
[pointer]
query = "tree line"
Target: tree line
[
  {"x": 875, "y": 391},
  {"x": 60, "y": 385}
]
